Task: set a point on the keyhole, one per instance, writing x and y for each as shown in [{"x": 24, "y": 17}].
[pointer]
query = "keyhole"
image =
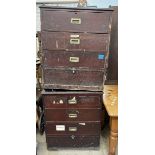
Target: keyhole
[{"x": 72, "y": 136}]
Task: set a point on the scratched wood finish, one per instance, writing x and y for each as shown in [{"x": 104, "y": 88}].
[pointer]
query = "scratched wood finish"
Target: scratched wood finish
[
  {"x": 85, "y": 59},
  {"x": 112, "y": 76},
  {"x": 72, "y": 141},
  {"x": 65, "y": 62},
  {"x": 56, "y": 100},
  {"x": 75, "y": 45},
  {"x": 85, "y": 106},
  {"x": 77, "y": 128},
  {"x": 88, "y": 41},
  {"x": 97, "y": 21},
  {"x": 64, "y": 114},
  {"x": 73, "y": 79}
]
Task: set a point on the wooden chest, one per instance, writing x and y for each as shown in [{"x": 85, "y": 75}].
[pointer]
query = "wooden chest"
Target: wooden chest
[
  {"x": 72, "y": 118},
  {"x": 75, "y": 46}
]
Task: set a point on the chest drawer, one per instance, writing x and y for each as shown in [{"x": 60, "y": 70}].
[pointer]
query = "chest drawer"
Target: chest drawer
[
  {"x": 75, "y": 41},
  {"x": 76, "y": 128},
  {"x": 72, "y": 114},
  {"x": 76, "y": 20},
  {"x": 77, "y": 59},
  {"x": 72, "y": 141},
  {"x": 73, "y": 79},
  {"x": 72, "y": 99}
]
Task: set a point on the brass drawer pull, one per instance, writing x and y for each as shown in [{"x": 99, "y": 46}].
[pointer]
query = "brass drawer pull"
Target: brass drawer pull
[
  {"x": 75, "y": 41},
  {"x": 74, "y": 59},
  {"x": 74, "y": 35},
  {"x": 72, "y": 101},
  {"x": 76, "y": 20},
  {"x": 72, "y": 115},
  {"x": 73, "y": 129}
]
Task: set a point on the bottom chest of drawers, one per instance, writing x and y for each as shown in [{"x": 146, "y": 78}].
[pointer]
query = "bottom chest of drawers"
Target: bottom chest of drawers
[{"x": 72, "y": 119}]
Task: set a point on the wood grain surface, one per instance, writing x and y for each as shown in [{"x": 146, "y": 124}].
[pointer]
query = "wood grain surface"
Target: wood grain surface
[{"x": 111, "y": 99}]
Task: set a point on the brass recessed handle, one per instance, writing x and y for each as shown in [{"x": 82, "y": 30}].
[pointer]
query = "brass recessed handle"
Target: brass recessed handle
[
  {"x": 72, "y": 115},
  {"x": 74, "y": 59},
  {"x": 75, "y": 41},
  {"x": 73, "y": 129},
  {"x": 76, "y": 20},
  {"x": 72, "y": 101}
]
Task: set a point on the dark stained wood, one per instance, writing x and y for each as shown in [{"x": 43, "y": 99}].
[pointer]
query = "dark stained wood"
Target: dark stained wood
[
  {"x": 79, "y": 112},
  {"x": 75, "y": 45},
  {"x": 72, "y": 141},
  {"x": 75, "y": 8},
  {"x": 72, "y": 114},
  {"x": 90, "y": 21},
  {"x": 73, "y": 100},
  {"x": 73, "y": 79},
  {"x": 87, "y": 41},
  {"x": 76, "y": 128},
  {"x": 75, "y": 53},
  {"x": 113, "y": 52},
  {"x": 64, "y": 59}
]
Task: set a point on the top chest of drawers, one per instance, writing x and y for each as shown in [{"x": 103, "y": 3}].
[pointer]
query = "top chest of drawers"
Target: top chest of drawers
[{"x": 75, "y": 47}]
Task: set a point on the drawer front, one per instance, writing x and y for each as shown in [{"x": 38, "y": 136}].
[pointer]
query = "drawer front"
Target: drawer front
[
  {"x": 75, "y": 41},
  {"x": 73, "y": 79},
  {"x": 72, "y": 114},
  {"x": 76, "y": 21},
  {"x": 72, "y": 141},
  {"x": 93, "y": 60},
  {"x": 72, "y": 101},
  {"x": 69, "y": 128}
]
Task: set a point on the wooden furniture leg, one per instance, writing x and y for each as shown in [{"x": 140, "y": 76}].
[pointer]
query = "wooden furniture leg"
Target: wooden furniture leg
[{"x": 113, "y": 135}]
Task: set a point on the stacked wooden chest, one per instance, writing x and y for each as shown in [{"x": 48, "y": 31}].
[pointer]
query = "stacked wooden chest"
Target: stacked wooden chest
[{"x": 75, "y": 46}]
